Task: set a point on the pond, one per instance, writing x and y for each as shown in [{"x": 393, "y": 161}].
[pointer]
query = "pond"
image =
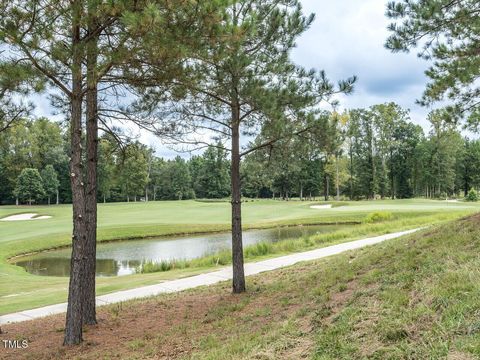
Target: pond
[{"x": 123, "y": 257}]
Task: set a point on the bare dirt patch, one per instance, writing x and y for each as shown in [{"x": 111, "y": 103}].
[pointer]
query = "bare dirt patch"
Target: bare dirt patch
[{"x": 166, "y": 327}]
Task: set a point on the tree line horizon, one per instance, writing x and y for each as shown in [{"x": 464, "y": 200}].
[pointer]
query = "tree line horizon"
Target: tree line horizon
[{"x": 373, "y": 153}]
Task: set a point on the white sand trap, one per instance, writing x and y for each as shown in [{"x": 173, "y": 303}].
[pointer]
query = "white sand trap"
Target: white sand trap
[
  {"x": 20, "y": 217},
  {"x": 327, "y": 206}
]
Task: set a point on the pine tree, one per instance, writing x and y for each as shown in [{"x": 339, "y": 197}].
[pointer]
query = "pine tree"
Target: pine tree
[
  {"x": 448, "y": 33},
  {"x": 57, "y": 39},
  {"x": 16, "y": 81},
  {"x": 243, "y": 82}
]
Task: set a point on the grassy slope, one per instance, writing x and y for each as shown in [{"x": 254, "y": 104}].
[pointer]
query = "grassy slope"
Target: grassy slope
[
  {"x": 20, "y": 290},
  {"x": 417, "y": 297},
  {"x": 412, "y": 298}
]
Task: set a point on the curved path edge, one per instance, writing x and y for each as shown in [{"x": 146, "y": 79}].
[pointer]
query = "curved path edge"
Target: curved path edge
[{"x": 209, "y": 278}]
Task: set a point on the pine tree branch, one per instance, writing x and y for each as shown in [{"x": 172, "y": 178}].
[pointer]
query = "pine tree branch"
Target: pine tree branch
[{"x": 273, "y": 141}]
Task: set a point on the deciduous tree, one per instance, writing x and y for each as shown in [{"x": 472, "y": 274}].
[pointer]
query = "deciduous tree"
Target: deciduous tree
[
  {"x": 50, "y": 182},
  {"x": 29, "y": 186}
]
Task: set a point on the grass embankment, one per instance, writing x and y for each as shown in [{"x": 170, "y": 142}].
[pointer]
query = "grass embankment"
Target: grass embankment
[
  {"x": 416, "y": 297},
  {"x": 20, "y": 290}
]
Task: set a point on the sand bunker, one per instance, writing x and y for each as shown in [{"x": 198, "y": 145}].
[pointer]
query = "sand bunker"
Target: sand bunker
[
  {"x": 20, "y": 217},
  {"x": 327, "y": 206}
]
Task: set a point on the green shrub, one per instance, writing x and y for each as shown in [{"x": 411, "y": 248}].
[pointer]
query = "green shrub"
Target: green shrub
[
  {"x": 472, "y": 195},
  {"x": 378, "y": 216}
]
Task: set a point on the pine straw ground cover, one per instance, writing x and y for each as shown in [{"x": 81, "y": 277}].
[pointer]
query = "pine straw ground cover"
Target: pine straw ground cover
[{"x": 416, "y": 297}]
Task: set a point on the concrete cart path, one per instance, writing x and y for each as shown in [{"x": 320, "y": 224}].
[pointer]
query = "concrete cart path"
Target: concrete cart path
[{"x": 207, "y": 278}]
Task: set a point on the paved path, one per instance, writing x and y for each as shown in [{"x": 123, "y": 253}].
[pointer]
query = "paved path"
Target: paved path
[{"x": 205, "y": 279}]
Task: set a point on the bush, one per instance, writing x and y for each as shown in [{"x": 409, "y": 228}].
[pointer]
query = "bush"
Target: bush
[
  {"x": 472, "y": 195},
  {"x": 378, "y": 216}
]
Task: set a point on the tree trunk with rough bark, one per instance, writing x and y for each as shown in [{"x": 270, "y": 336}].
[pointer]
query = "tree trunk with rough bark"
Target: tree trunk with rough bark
[
  {"x": 237, "y": 245},
  {"x": 74, "y": 321},
  {"x": 89, "y": 311}
]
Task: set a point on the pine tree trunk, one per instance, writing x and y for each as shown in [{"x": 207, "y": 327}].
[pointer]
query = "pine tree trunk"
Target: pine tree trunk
[
  {"x": 89, "y": 311},
  {"x": 49, "y": 200},
  {"x": 237, "y": 245},
  {"x": 74, "y": 322},
  {"x": 301, "y": 192},
  {"x": 58, "y": 199}
]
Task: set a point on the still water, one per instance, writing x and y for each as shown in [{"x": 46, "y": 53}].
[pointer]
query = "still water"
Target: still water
[{"x": 123, "y": 257}]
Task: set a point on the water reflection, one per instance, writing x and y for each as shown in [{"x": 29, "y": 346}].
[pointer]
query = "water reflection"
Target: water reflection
[{"x": 123, "y": 257}]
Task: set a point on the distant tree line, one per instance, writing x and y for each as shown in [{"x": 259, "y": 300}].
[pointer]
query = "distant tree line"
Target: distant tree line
[
  {"x": 360, "y": 154},
  {"x": 34, "y": 169},
  {"x": 373, "y": 153}
]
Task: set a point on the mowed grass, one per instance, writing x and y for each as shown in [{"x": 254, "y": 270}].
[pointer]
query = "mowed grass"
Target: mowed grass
[
  {"x": 415, "y": 297},
  {"x": 20, "y": 290}
]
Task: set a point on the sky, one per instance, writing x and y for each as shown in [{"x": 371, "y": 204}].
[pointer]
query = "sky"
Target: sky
[{"x": 347, "y": 38}]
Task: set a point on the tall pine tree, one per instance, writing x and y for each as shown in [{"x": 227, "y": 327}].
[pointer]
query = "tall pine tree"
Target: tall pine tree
[{"x": 245, "y": 82}]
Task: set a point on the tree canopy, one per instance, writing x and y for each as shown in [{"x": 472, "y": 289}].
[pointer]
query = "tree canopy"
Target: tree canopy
[
  {"x": 29, "y": 186},
  {"x": 447, "y": 32}
]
